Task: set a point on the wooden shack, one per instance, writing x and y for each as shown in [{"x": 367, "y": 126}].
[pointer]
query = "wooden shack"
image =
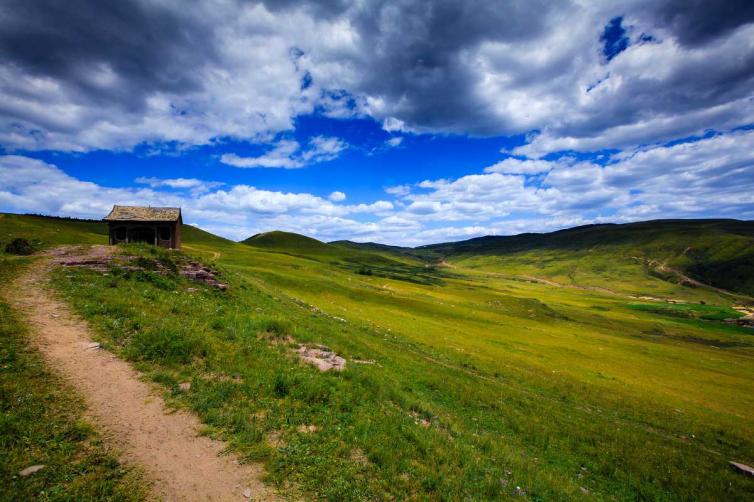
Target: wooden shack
[{"x": 160, "y": 226}]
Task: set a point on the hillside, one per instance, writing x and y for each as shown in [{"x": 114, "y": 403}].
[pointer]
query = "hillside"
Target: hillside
[
  {"x": 719, "y": 253},
  {"x": 46, "y": 231},
  {"x": 543, "y": 373}
]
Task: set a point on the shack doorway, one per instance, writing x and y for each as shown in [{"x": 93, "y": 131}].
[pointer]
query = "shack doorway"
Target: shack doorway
[{"x": 142, "y": 235}]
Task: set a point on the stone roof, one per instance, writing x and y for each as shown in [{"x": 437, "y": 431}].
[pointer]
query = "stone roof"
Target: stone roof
[{"x": 140, "y": 213}]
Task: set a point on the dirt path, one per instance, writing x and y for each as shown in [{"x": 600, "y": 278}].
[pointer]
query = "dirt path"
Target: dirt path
[{"x": 181, "y": 464}]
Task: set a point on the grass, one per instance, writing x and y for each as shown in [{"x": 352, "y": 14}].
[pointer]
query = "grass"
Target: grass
[
  {"x": 483, "y": 381},
  {"x": 41, "y": 423}
]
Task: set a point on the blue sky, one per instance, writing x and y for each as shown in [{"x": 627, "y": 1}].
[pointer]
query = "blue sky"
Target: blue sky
[{"x": 404, "y": 123}]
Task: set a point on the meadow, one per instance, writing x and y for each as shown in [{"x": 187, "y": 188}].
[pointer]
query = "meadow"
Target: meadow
[{"x": 541, "y": 373}]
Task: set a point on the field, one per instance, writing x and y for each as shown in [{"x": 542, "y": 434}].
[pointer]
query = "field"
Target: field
[{"x": 541, "y": 371}]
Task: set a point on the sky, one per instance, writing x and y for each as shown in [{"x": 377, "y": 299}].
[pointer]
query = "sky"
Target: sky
[{"x": 405, "y": 122}]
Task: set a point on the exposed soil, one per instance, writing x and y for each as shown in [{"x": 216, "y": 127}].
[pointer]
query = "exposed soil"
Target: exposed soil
[
  {"x": 321, "y": 357},
  {"x": 104, "y": 258},
  {"x": 181, "y": 464}
]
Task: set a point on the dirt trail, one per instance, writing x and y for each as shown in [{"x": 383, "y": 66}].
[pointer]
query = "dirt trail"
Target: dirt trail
[{"x": 181, "y": 464}]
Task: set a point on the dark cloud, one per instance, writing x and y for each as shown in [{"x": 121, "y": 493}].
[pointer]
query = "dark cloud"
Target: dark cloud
[
  {"x": 86, "y": 74},
  {"x": 416, "y": 56},
  {"x": 148, "y": 46},
  {"x": 695, "y": 22}
]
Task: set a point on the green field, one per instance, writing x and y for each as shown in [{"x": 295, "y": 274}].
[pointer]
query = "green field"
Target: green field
[{"x": 547, "y": 368}]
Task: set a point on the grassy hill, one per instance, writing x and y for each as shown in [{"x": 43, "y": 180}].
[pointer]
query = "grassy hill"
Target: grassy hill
[
  {"x": 719, "y": 253},
  {"x": 558, "y": 370}
]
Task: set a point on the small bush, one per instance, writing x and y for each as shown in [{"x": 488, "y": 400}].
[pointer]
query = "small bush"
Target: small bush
[
  {"x": 364, "y": 270},
  {"x": 19, "y": 246},
  {"x": 281, "y": 386}
]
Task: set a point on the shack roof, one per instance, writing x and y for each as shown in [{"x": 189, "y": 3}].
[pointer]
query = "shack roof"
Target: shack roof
[{"x": 141, "y": 213}]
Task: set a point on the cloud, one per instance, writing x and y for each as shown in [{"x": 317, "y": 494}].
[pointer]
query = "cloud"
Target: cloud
[
  {"x": 91, "y": 75},
  {"x": 709, "y": 177},
  {"x": 519, "y": 166},
  {"x": 395, "y": 141},
  {"x": 287, "y": 154},
  {"x": 196, "y": 186},
  {"x": 398, "y": 190},
  {"x": 337, "y": 196}
]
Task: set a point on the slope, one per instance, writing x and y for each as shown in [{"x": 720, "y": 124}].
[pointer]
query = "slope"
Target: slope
[{"x": 719, "y": 253}]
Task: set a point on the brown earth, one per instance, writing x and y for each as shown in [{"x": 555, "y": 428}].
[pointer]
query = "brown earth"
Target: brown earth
[{"x": 181, "y": 464}]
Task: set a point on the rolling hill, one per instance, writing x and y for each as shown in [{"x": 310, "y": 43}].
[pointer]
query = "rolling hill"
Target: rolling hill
[{"x": 718, "y": 253}]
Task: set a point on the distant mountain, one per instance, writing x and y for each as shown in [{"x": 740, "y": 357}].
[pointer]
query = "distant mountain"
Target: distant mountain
[
  {"x": 718, "y": 253},
  {"x": 374, "y": 246}
]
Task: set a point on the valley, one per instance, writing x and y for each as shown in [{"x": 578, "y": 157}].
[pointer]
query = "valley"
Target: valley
[{"x": 604, "y": 361}]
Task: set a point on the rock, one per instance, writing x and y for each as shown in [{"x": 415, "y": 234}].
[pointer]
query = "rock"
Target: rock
[
  {"x": 323, "y": 359},
  {"x": 31, "y": 470},
  {"x": 184, "y": 386},
  {"x": 247, "y": 493},
  {"x": 742, "y": 468},
  {"x": 91, "y": 346}
]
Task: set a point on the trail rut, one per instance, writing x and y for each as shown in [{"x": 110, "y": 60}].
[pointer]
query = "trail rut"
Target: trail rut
[{"x": 181, "y": 464}]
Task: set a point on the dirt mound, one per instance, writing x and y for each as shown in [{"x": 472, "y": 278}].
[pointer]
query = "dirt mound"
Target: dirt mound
[{"x": 103, "y": 258}]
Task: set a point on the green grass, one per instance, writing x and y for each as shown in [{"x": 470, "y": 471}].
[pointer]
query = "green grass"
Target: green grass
[
  {"x": 44, "y": 231},
  {"x": 689, "y": 311},
  {"x": 41, "y": 423},
  {"x": 553, "y": 389}
]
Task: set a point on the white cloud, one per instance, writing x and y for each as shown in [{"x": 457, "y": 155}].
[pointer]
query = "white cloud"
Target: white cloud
[
  {"x": 337, "y": 196},
  {"x": 398, "y": 190},
  {"x": 519, "y": 166},
  {"x": 712, "y": 177},
  {"x": 287, "y": 154},
  {"x": 195, "y": 185}
]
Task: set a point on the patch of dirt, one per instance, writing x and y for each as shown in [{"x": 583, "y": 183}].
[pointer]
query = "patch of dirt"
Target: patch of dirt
[
  {"x": 321, "y": 357},
  {"x": 98, "y": 258},
  {"x": 419, "y": 420},
  {"x": 181, "y": 464},
  {"x": 275, "y": 440},
  {"x": 196, "y": 272},
  {"x": 307, "y": 429},
  {"x": 747, "y": 321},
  {"x": 359, "y": 457},
  {"x": 103, "y": 258},
  {"x": 674, "y": 301}
]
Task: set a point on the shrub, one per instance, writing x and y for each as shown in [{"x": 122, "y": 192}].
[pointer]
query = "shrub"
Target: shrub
[
  {"x": 281, "y": 386},
  {"x": 364, "y": 270},
  {"x": 19, "y": 246}
]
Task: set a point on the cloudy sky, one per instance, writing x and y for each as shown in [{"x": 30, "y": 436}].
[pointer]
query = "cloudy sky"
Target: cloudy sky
[{"x": 402, "y": 121}]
